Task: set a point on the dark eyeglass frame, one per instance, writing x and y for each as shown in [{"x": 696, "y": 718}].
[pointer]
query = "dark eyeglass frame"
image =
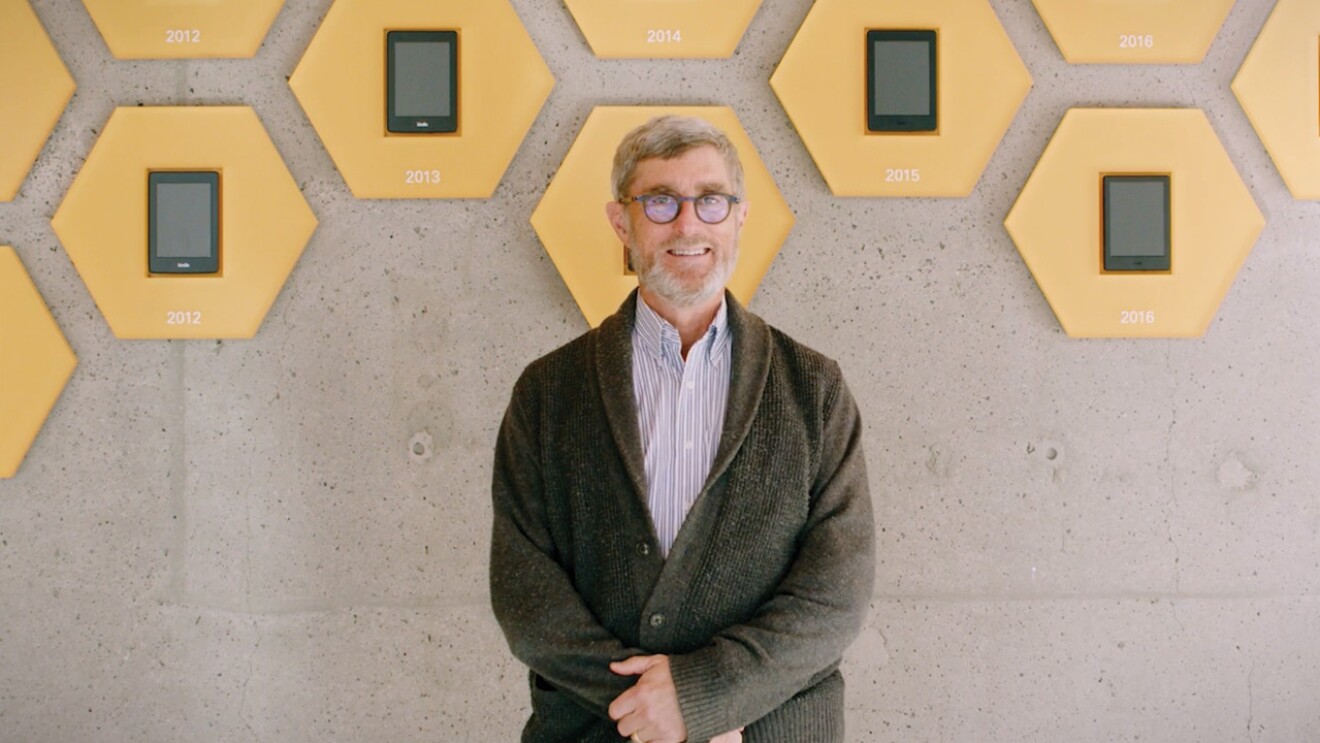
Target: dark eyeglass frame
[{"x": 648, "y": 202}]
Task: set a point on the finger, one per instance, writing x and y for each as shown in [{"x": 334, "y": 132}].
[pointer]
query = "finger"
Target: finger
[
  {"x": 626, "y": 727},
  {"x": 633, "y": 666},
  {"x": 623, "y": 705},
  {"x": 634, "y": 725}
]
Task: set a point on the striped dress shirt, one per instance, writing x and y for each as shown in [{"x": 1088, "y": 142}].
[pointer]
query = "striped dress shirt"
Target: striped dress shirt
[{"x": 680, "y": 409}]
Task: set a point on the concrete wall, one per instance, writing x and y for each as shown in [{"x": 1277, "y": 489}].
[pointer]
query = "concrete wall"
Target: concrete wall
[{"x": 1079, "y": 540}]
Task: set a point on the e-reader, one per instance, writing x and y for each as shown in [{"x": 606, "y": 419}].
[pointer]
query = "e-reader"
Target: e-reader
[
  {"x": 901, "y": 81},
  {"x": 183, "y": 222},
  {"x": 422, "y": 82},
  {"x": 1137, "y": 233}
]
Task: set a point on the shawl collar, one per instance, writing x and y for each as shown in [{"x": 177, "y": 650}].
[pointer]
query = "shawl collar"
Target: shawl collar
[
  {"x": 750, "y": 357},
  {"x": 614, "y": 370}
]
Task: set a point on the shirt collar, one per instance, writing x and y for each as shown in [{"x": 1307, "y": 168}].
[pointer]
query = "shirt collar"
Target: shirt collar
[{"x": 656, "y": 334}]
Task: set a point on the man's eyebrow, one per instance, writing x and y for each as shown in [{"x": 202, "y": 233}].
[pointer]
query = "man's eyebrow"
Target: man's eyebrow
[{"x": 702, "y": 188}]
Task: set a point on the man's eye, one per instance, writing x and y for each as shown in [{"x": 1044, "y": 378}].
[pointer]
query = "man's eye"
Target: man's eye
[
  {"x": 661, "y": 199},
  {"x": 710, "y": 199}
]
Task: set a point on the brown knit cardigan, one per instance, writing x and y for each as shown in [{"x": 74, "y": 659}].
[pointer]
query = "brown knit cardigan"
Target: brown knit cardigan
[{"x": 767, "y": 582}]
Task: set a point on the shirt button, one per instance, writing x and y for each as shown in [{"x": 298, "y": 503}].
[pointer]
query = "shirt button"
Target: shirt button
[
  {"x": 691, "y": 385},
  {"x": 657, "y": 619},
  {"x": 643, "y": 549},
  {"x": 687, "y": 444}
]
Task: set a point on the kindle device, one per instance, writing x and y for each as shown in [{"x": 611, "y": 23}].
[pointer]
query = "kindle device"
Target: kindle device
[
  {"x": 901, "y": 90},
  {"x": 1137, "y": 234},
  {"x": 183, "y": 222},
  {"x": 422, "y": 85}
]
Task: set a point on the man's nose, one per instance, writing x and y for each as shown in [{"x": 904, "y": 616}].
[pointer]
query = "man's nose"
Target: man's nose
[{"x": 687, "y": 219}]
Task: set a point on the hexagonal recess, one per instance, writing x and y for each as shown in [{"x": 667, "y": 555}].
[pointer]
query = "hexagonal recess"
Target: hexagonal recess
[
  {"x": 264, "y": 222},
  {"x": 571, "y": 222},
  {"x": 35, "y": 362},
  {"x": 1278, "y": 86},
  {"x": 1056, "y": 223},
  {"x": 982, "y": 83},
  {"x": 35, "y": 86},
  {"x": 502, "y": 85},
  {"x": 663, "y": 28},
  {"x": 1133, "y": 31},
  {"x": 183, "y": 29}
]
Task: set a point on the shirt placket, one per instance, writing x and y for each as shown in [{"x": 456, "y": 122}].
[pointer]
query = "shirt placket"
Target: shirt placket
[
  {"x": 671, "y": 384},
  {"x": 710, "y": 430},
  {"x": 688, "y": 468}
]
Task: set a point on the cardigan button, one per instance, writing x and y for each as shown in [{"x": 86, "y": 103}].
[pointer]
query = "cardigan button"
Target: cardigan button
[
  {"x": 657, "y": 619},
  {"x": 643, "y": 549}
]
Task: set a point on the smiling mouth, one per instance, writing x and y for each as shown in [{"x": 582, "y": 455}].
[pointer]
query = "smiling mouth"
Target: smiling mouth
[{"x": 687, "y": 252}]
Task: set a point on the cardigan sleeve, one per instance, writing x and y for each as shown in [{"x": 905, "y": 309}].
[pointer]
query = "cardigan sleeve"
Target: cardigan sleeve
[
  {"x": 798, "y": 636},
  {"x": 547, "y": 624}
]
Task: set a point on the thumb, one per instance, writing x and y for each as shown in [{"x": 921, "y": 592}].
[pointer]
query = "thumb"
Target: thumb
[{"x": 634, "y": 666}]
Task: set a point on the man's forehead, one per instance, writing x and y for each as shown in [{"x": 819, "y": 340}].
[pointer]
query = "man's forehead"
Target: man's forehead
[{"x": 700, "y": 166}]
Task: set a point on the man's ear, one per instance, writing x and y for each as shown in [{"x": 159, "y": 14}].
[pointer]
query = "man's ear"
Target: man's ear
[{"x": 618, "y": 216}]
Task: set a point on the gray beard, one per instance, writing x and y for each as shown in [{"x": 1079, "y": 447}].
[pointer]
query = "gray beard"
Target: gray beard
[{"x": 671, "y": 288}]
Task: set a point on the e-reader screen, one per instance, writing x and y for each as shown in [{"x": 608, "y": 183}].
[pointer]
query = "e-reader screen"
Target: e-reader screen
[
  {"x": 901, "y": 81},
  {"x": 902, "y": 69},
  {"x": 183, "y": 222},
  {"x": 421, "y": 78},
  {"x": 423, "y": 81},
  {"x": 1137, "y": 231}
]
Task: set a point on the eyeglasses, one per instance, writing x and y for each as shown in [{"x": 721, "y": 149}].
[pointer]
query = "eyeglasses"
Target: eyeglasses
[{"x": 663, "y": 208}]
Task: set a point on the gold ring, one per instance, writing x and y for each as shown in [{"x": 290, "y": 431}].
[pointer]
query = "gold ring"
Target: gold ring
[{"x": 635, "y": 739}]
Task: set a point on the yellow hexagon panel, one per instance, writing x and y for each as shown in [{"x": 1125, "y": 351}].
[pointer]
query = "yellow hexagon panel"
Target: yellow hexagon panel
[
  {"x": 35, "y": 86},
  {"x": 1134, "y": 31},
  {"x": 571, "y": 222},
  {"x": 982, "y": 82},
  {"x": 502, "y": 84},
  {"x": 35, "y": 362},
  {"x": 264, "y": 222},
  {"x": 1056, "y": 223},
  {"x": 663, "y": 28},
  {"x": 183, "y": 29},
  {"x": 1278, "y": 86}
]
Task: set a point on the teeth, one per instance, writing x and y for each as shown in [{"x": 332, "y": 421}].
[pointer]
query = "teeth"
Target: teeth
[{"x": 688, "y": 252}]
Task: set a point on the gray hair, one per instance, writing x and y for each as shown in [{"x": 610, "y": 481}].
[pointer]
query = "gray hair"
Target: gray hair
[{"x": 667, "y": 137}]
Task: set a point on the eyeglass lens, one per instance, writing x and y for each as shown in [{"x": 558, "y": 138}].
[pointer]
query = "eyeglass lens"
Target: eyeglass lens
[{"x": 663, "y": 208}]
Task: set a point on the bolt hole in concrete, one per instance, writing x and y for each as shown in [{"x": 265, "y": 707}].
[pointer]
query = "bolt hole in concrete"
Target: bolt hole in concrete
[
  {"x": 419, "y": 447},
  {"x": 1049, "y": 452}
]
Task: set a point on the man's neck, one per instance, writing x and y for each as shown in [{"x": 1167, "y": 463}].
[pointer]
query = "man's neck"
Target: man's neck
[{"x": 690, "y": 322}]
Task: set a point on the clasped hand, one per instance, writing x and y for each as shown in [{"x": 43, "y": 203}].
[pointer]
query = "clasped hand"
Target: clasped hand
[{"x": 649, "y": 710}]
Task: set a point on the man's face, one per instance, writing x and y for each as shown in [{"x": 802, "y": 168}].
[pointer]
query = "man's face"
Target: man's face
[{"x": 686, "y": 261}]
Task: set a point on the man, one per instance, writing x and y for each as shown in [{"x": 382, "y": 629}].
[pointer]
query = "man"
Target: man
[{"x": 683, "y": 539}]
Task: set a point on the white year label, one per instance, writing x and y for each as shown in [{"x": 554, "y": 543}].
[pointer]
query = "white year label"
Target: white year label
[
  {"x": 183, "y": 36},
  {"x": 1136, "y": 41},
  {"x": 902, "y": 175},
  {"x": 664, "y": 36},
  {"x": 1136, "y": 317},
  {"x": 421, "y": 177},
  {"x": 183, "y": 317}
]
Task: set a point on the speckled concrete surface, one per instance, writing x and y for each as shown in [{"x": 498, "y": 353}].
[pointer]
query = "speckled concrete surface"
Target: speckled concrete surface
[{"x": 284, "y": 539}]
